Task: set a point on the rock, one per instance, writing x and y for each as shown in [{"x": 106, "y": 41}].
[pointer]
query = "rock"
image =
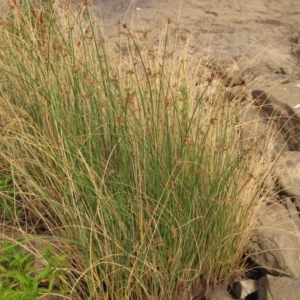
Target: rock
[
  {"x": 226, "y": 68},
  {"x": 294, "y": 38},
  {"x": 286, "y": 172},
  {"x": 297, "y": 203},
  {"x": 233, "y": 76},
  {"x": 281, "y": 115},
  {"x": 280, "y": 67},
  {"x": 296, "y": 50},
  {"x": 289, "y": 94},
  {"x": 237, "y": 93},
  {"x": 292, "y": 210},
  {"x": 275, "y": 247},
  {"x": 243, "y": 288},
  {"x": 278, "y": 288},
  {"x": 255, "y": 126}
]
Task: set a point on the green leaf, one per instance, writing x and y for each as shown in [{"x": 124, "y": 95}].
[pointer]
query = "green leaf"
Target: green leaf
[
  {"x": 2, "y": 269},
  {"x": 25, "y": 258},
  {"x": 62, "y": 257},
  {"x": 24, "y": 279},
  {"x": 51, "y": 283},
  {"x": 47, "y": 271},
  {"x": 47, "y": 254},
  {"x": 4, "y": 259}
]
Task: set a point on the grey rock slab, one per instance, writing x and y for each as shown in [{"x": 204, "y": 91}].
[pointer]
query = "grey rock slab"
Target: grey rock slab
[
  {"x": 297, "y": 203},
  {"x": 254, "y": 126},
  {"x": 294, "y": 39},
  {"x": 275, "y": 248},
  {"x": 280, "y": 67},
  {"x": 283, "y": 116},
  {"x": 286, "y": 172},
  {"x": 278, "y": 288},
  {"x": 296, "y": 50},
  {"x": 227, "y": 68},
  {"x": 292, "y": 210},
  {"x": 288, "y": 93}
]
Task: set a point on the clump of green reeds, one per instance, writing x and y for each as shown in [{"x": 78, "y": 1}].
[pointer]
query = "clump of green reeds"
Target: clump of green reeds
[{"x": 123, "y": 157}]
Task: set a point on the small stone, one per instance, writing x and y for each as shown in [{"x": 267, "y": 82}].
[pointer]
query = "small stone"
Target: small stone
[{"x": 243, "y": 288}]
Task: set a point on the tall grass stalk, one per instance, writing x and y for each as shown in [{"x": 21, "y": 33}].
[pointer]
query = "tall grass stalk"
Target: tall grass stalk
[{"x": 123, "y": 157}]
